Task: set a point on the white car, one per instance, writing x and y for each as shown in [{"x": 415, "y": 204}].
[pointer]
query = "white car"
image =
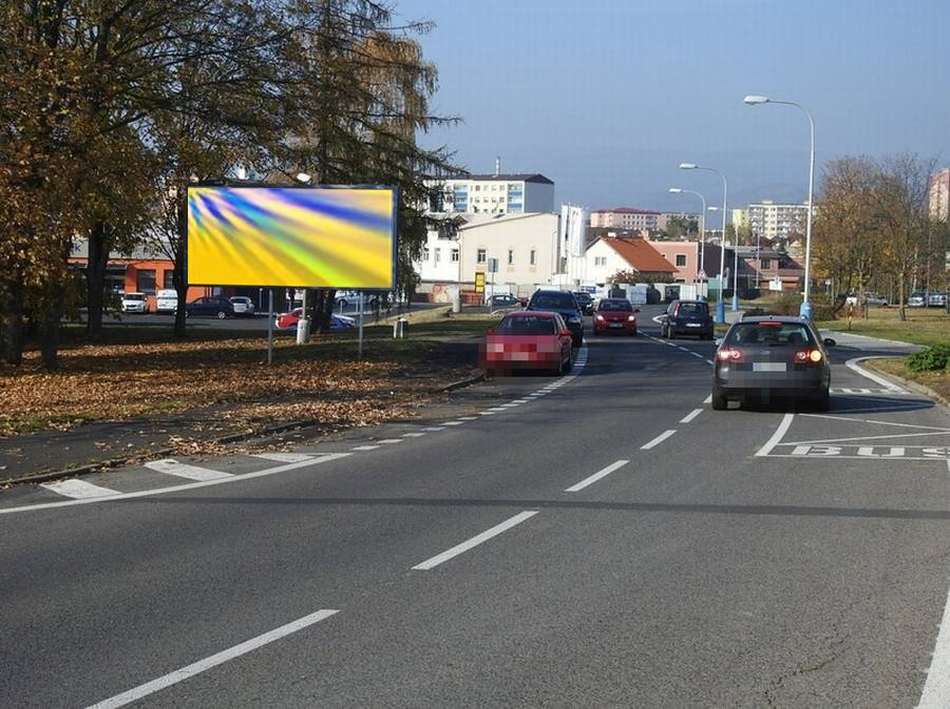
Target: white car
[
  {"x": 166, "y": 301},
  {"x": 134, "y": 303},
  {"x": 917, "y": 300},
  {"x": 937, "y": 300},
  {"x": 242, "y": 305}
]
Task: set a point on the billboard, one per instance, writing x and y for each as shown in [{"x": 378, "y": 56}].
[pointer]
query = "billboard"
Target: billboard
[{"x": 303, "y": 237}]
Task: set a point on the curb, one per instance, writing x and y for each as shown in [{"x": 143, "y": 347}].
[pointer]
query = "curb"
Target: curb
[
  {"x": 878, "y": 339},
  {"x": 474, "y": 379},
  {"x": 919, "y": 388}
]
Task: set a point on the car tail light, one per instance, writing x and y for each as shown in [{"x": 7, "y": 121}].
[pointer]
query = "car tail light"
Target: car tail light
[
  {"x": 812, "y": 356},
  {"x": 730, "y": 354},
  {"x": 600, "y": 318},
  {"x": 631, "y": 318}
]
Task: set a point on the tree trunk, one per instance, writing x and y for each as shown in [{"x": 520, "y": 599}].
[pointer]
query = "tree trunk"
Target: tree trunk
[
  {"x": 50, "y": 328},
  {"x": 181, "y": 290},
  {"x": 11, "y": 309},
  {"x": 99, "y": 247},
  {"x": 900, "y": 296}
]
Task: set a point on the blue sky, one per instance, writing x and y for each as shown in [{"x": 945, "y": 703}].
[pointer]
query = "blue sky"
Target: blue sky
[{"x": 606, "y": 97}]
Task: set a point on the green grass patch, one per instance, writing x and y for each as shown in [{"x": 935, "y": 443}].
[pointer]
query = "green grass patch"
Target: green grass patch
[
  {"x": 938, "y": 381},
  {"x": 924, "y": 326}
]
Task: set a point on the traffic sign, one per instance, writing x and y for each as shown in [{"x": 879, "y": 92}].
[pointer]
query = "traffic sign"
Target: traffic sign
[
  {"x": 701, "y": 275},
  {"x": 479, "y": 281}
]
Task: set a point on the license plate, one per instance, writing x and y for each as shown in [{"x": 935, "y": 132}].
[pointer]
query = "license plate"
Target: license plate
[
  {"x": 768, "y": 366},
  {"x": 694, "y": 324},
  {"x": 615, "y": 324}
]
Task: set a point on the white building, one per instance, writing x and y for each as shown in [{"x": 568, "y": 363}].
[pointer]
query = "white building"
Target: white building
[
  {"x": 608, "y": 255},
  {"x": 491, "y": 194},
  {"x": 624, "y": 218},
  {"x": 771, "y": 220},
  {"x": 939, "y": 195}
]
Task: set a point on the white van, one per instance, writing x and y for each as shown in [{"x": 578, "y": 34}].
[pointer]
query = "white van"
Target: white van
[{"x": 166, "y": 301}]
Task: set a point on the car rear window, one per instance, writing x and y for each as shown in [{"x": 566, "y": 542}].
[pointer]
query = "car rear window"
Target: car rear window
[
  {"x": 134, "y": 296},
  {"x": 771, "y": 334},
  {"x": 553, "y": 300},
  {"x": 693, "y": 309},
  {"x": 615, "y": 305},
  {"x": 526, "y": 325}
]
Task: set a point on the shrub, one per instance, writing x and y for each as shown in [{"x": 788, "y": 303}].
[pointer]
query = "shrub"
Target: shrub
[{"x": 931, "y": 359}]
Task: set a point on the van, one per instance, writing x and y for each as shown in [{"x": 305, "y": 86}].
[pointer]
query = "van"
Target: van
[{"x": 166, "y": 301}]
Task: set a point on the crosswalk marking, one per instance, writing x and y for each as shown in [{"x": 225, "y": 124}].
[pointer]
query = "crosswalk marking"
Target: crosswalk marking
[
  {"x": 78, "y": 489},
  {"x": 170, "y": 466},
  {"x": 279, "y": 457}
]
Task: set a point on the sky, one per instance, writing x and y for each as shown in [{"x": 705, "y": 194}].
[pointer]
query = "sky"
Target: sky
[{"x": 607, "y": 97}]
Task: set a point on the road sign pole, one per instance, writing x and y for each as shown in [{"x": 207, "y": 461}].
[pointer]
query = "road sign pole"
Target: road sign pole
[
  {"x": 361, "y": 324},
  {"x": 270, "y": 326}
]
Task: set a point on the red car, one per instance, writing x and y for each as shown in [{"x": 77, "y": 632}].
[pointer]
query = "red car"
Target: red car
[
  {"x": 529, "y": 339},
  {"x": 615, "y": 315}
]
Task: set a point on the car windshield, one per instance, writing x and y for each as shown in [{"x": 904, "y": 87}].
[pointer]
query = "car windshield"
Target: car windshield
[
  {"x": 583, "y": 296},
  {"x": 526, "y": 325},
  {"x": 615, "y": 305},
  {"x": 134, "y": 296},
  {"x": 769, "y": 333},
  {"x": 693, "y": 309},
  {"x": 554, "y": 300}
]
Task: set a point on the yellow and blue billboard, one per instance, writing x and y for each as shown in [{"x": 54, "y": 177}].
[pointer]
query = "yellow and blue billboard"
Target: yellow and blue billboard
[{"x": 323, "y": 237}]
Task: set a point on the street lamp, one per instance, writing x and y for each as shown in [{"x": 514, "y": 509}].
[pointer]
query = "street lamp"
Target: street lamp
[
  {"x": 702, "y": 225},
  {"x": 805, "y": 310},
  {"x": 720, "y": 306}
]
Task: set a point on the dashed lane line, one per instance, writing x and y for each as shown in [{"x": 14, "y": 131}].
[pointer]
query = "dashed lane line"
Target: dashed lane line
[
  {"x": 708, "y": 399},
  {"x": 281, "y": 457},
  {"x": 79, "y": 489},
  {"x": 691, "y": 415},
  {"x": 597, "y": 476},
  {"x": 438, "y": 559},
  {"x": 170, "y": 466},
  {"x": 658, "y": 440},
  {"x": 389, "y": 441},
  {"x": 451, "y": 423},
  {"x": 365, "y": 448},
  {"x": 414, "y": 434},
  {"x": 433, "y": 429}
]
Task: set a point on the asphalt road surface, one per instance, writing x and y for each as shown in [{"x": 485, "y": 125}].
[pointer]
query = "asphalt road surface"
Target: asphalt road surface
[{"x": 604, "y": 539}]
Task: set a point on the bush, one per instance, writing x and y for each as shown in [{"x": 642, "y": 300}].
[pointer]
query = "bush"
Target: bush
[
  {"x": 931, "y": 359},
  {"x": 791, "y": 303}
]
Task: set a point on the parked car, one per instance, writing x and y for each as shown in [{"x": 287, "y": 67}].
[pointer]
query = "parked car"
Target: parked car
[
  {"x": 166, "y": 301},
  {"x": 214, "y": 306},
  {"x": 564, "y": 304},
  {"x": 615, "y": 315},
  {"x": 288, "y": 321},
  {"x": 503, "y": 300},
  {"x": 688, "y": 317},
  {"x": 918, "y": 299},
  {"x": 874, "y": 299},
  {"x": 529, "y": 340},
  {"x": 937, "y": 300},
  {"x": 772, "y": 355},
  {"x": 134, "y": 303},
  {"x": 242, "y": 305},
  {"x": 585, "y": 301}
]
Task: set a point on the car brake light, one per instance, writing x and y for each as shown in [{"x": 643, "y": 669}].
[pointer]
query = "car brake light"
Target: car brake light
[
  {"x": 730, "y": 354},
  {"x": 808, "y": 356}
]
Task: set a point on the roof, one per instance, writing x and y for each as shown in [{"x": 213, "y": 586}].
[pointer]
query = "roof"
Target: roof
[
  {"x": 774, "y": 318},
  {"x": 491, "y": 219},
  {"x": 625, "y": 210},
  {"x": 639, "y": 254},
  {"x": 536, "y": 177}
]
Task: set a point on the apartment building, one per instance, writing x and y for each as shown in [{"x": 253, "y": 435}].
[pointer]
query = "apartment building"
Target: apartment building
[
  {"x": 624, "y": 218},
  {"x": 491, "y": 194},
  {"x": 939, "y": 195},
  {"x": 771, "y": 220}
]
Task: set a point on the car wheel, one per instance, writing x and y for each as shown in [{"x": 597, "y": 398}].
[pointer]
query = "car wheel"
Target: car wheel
[
  {"x": 823, "y": 402},
  {"x": 222, "y": 315},
  {"x": 719, "y": 400}
]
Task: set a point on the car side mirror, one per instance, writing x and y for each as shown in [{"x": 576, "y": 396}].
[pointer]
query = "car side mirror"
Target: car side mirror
[
  {"x": 830, "y": 342},
  {"x": 717, "y": 341}
]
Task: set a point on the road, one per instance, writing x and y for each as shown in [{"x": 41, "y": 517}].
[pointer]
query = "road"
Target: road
[{"x": 605, "y": 539}]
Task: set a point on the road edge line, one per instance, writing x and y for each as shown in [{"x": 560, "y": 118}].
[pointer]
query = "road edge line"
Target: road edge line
[
  {"x": 777, "y": 437},
  {"x": 854, "y": 365}
]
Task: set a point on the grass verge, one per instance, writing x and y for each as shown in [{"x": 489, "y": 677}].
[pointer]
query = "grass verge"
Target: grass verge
[
  {"x": 937, "y": 381},
  {"x": 924, "y": 326}
]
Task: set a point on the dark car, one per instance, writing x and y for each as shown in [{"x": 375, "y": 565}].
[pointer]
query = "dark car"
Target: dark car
[
  {"x": 688, "y": 317},
  {"x": 585, "y": 301},
  {"x": 503, "y": 300},
  {"x": 563, "y": 303},
  {"x": 615, "y": 315},
  {"x": 214, "y": 306},
  {"x": 772, "y": 356}
]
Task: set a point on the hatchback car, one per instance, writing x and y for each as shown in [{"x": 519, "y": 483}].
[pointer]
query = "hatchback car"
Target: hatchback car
[
  {"x": 529, "y": 340},
  {"x": 585, "y": 301},
  {"x": 134, "y": 303},
  {"x": 286, "y": 322},
  {"x": 503, "y": 300},
  {"x": 166, "y": 301},
  {"x": 772, "y": 356},
  {"x": 242, "y": 305},
  {"x": 615, "y": 315},
  {"x": 688, "y": 317},
  {"x": 213, "y": 306},
  {"x": 564, "y": 304}
]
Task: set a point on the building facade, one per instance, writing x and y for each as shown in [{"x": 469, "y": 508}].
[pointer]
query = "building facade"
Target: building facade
[
  {"x": 939, "y": 195},
  {"x": 491, "y": 194},
  {"x": 771, "y": 220},
  {"x": 607, "y": 256},
  {"x": 624, "y": 218}
]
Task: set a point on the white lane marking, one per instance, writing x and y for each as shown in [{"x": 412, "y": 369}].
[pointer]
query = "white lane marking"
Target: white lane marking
[
  {"x": 708, "y": 399},
  {"x": 414, "y": 434},
  {"x": 777, "y": 436},
  {"x": 388, "y": 441},
  {"x": 519, "y": 401},
  {"x": 365, "y": 448},
  {"x": 691, "y": 415},
  {"x": 170, "y": 466},
  {"x": 468, "y": 418},
  {"x": 709, "y": 361},
  {"x": 658, "y": 440},
  {"x": 597, "y": 476},
  {"x": 279, "y": 457},
  {"x": 78, "y": 489},
  {"x": 866, "y": 438},
  {"x": 180, "y": 488},
  {"x": 487, "y": 413},
  {"x": 680, "y": 347},
  {"x": 474, "y": 541},
  {"x": 881, "y": 423},
  {"x": 696, "y": 354},
  {"x": 188, "y": 671},
  {"x": 452, "y": 423},
  {"x": 853, "y": 365},
  {"x": 434, "y": 428},
  {"x": 510, "y": 405}
]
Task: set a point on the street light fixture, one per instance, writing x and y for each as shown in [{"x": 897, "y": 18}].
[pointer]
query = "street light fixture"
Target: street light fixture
[
  {"x": 720, "y": 306},
  {"x": 702, "y": 226},
  {"x": 805, "y": 310}
]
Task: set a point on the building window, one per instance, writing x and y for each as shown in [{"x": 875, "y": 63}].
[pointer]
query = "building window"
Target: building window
[
  {"x": 766, "y": 263},
  {"x": 511, "y": 257},
  {"x": 438, "y": 256},
  {"x": 600, "y": 260},
  {"x": 455, "y": 255},
  {"x": 425, "y": 254},
  {"x": 168, "y": 280},
  {"x": 532, "y": 257},
  {"x": 680, "y": 260},
  {"x": 481, "y": 256},
  {"x": 145, "y": 281}
]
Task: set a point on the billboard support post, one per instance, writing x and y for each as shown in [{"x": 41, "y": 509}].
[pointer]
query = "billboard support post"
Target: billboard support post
[
  {"x": 362, "y": 300},
  {"x": 270, "y": 326}
]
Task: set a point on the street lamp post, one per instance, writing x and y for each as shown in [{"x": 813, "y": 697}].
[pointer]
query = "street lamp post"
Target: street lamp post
[
  {"x": 805, "y": 310},
  {"x": 720, "y": 306},
  {"x": 702, "y": 225}
]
